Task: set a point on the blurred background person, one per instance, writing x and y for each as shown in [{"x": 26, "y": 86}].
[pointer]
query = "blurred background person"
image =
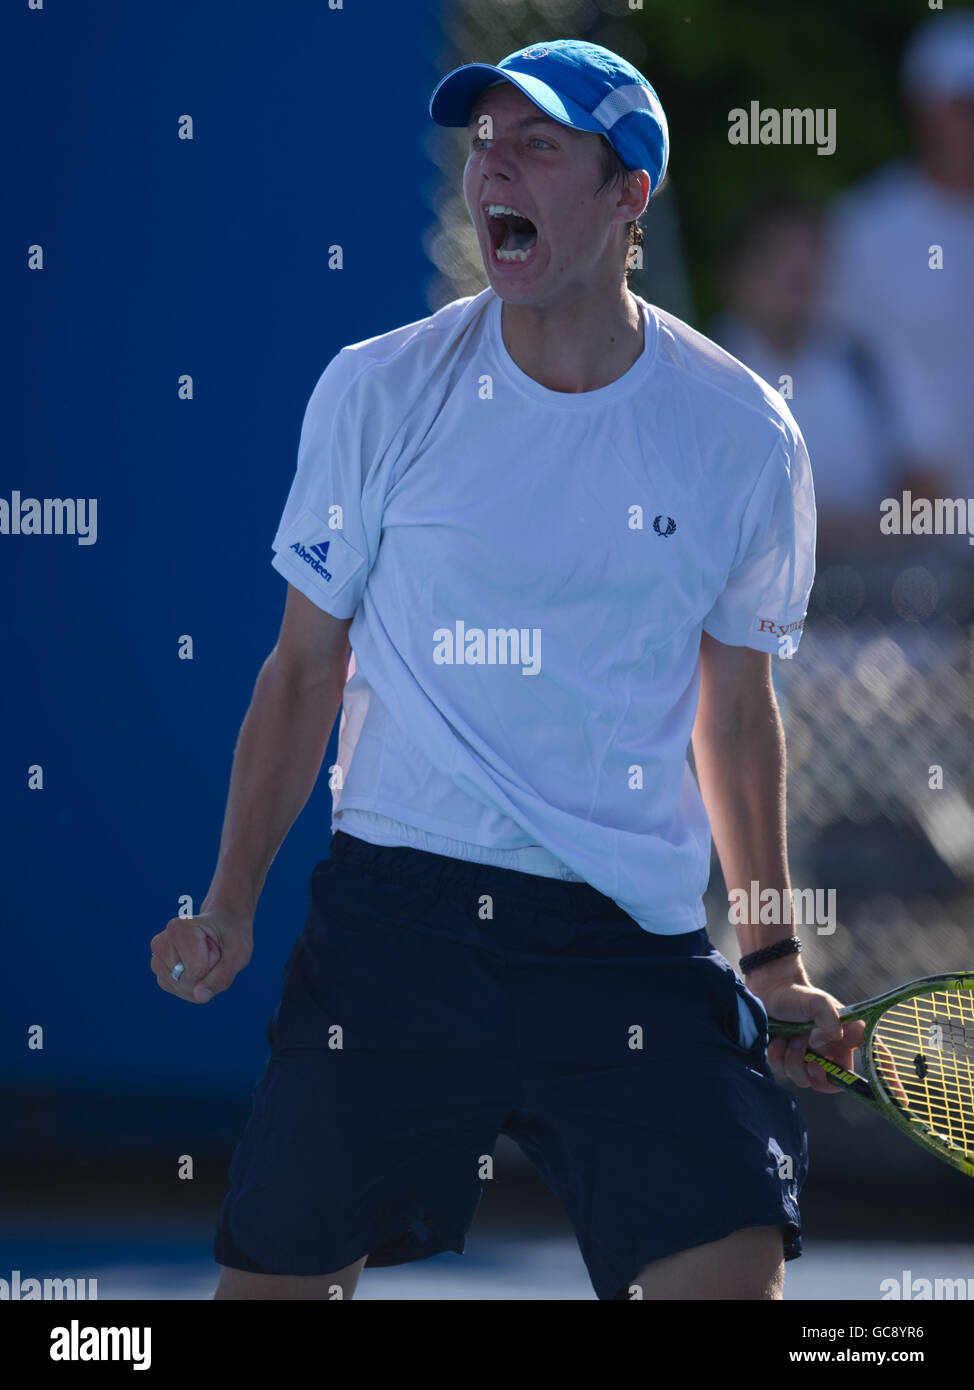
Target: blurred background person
[
  {"x": 888, "y": 237},
  {"x": 770, "y": 280}
]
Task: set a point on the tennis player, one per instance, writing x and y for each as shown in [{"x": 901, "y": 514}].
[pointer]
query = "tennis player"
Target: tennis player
[{"x": 562, "y": 533}]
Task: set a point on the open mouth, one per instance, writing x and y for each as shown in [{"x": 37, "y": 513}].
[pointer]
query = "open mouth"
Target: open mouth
[{"x": 512, "y": 235}]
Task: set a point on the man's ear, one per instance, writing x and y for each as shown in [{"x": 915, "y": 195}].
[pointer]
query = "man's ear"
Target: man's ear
[{"x": 636, "y": 192}]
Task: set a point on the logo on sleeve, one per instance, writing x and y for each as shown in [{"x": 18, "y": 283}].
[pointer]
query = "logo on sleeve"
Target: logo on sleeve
[
  {"x": 315, "y": 556},
  {"x": 779, "y": 629}
]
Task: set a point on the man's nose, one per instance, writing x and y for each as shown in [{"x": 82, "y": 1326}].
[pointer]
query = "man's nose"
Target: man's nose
[{"x": 498, "y": 159}]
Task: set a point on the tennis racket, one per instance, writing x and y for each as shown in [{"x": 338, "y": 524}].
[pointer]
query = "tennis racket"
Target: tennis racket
[{"x": 918, "y": 1054}]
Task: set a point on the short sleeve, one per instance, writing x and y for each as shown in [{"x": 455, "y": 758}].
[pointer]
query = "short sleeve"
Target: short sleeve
[
  {"x": 765, "y": 598},
  {"x": 327, "y": 537}
]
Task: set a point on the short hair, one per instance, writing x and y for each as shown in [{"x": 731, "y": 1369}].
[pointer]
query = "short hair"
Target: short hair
[{"x": 612, "y": 171}]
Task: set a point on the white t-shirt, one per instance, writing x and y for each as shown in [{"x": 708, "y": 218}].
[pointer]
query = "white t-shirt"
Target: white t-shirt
[
  {"x": 917, "y": 323},
  {"x": 529, "y": 572}
]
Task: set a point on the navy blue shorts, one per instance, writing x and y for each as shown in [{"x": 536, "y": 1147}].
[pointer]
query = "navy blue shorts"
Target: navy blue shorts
[{"x": 431, "y": 1004}]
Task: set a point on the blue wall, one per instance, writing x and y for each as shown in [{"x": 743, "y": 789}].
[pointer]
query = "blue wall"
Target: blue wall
[{"x": 162, "y": 257}]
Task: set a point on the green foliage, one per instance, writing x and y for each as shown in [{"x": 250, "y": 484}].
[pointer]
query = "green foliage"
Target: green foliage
[{"x": 706, "y": 57}]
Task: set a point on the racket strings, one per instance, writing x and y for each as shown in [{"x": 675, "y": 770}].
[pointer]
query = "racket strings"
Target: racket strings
[{"x": 923, "y": 1049}]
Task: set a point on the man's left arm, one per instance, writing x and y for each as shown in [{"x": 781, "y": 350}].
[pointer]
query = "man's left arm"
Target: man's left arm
[{"x": 739, "y": 750}]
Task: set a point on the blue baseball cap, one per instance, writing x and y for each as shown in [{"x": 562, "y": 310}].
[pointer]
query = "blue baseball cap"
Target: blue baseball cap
[{"x": 582, "y": 85}]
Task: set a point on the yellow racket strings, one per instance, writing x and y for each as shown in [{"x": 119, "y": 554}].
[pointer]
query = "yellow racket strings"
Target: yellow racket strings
[{"x": 924, "y": 1051}]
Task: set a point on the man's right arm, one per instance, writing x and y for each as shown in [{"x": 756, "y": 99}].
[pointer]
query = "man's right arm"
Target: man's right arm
[{"x": 276, "y": 762}]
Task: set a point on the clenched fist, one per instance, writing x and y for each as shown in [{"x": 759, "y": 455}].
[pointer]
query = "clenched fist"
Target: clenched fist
[{"x": 212, "y": 947}]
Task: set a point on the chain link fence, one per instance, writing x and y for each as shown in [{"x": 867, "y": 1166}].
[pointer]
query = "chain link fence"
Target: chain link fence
[{"x": 877, "y": 707}]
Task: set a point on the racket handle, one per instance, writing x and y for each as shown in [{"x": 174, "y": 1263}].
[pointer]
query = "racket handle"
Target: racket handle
[
  {"x": 855, "y": 1085},
  {"x": 788, "y": 1030}
]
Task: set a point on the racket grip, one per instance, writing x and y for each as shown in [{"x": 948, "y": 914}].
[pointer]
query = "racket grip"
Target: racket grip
[
  {"x": 777, "y": 1027},
  {"x": 851, "y": 1084}
]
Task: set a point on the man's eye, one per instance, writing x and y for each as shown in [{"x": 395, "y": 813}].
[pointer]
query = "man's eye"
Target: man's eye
[{"x": 480, "y": 142}]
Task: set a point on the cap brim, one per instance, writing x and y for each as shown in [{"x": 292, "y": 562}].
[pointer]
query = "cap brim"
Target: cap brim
[{"x": 453, "y": 97}]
